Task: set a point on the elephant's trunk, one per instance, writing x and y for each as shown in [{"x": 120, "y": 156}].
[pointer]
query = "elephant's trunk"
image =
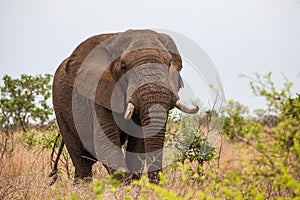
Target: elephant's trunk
[
  {"x": 154, "y": 133},
  {"x": 153, "y": 105}
]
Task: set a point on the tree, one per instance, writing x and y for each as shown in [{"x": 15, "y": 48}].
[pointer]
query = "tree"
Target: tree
[{"x": 24, "y": 100}]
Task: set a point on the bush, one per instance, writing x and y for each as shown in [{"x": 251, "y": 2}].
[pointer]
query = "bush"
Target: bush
[
  {"x": 278, "y": 146},
  {"x": 234, "y": 119},
  {"x": 190, "y": 140}
]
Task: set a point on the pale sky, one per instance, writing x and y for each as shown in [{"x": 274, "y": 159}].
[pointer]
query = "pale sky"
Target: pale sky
[{"x": 241, "y": 37}]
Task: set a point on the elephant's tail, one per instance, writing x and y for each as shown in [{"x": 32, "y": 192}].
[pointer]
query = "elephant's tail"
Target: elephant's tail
[{"x": 53, "y": 173}]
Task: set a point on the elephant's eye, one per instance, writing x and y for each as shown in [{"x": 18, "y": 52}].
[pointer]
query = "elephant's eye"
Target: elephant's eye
[{"x": 123, "y": 67}]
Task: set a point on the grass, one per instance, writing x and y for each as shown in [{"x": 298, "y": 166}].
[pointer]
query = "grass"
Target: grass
[{"x": 24, "y": 175}]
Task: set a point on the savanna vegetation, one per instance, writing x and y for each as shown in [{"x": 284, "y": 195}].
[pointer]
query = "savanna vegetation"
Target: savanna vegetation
[{"x": 257, "y": 156}]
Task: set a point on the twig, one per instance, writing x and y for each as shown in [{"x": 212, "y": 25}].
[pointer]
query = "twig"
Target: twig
[
  {"x": 220, "y": 151},
  {"x": 257, "y": 148}
]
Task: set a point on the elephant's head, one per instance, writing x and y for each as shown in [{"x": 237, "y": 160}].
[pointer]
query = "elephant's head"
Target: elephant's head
[{"x": 135, "y": 73}]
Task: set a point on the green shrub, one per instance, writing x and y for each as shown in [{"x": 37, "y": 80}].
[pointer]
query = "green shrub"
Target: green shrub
[
  {"x": 29, "y": 139},
  {"x": 189, "y": 143},
  {"x": 234, "y": 119}
]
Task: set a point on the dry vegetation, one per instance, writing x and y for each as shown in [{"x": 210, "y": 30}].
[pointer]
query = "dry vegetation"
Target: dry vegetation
[
  {"x": 257, "y": 159},
  {"x": 24, "y": 175}
]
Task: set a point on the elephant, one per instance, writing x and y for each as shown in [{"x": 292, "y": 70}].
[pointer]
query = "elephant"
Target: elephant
[{"x": 111, "y": 99}]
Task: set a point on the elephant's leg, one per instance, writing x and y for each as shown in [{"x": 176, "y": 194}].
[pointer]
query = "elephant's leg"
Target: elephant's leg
[
  {"x": 83, "y": 170},
  {"x": 107, "y": 140},
  {"x": 82, "y": 159},
  {"x": 135, "y": 156}
]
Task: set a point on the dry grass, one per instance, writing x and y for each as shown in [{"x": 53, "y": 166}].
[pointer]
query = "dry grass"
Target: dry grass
[{"x": 24, "y": 175}]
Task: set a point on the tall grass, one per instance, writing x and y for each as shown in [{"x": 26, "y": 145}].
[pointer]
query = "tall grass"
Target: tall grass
[{"x": 24, "y": 175}]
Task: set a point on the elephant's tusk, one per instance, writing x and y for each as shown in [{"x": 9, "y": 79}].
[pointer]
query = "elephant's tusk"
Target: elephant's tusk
[
  {"x": 129, "y": 111},
  {"x": 185, "y": 108}
]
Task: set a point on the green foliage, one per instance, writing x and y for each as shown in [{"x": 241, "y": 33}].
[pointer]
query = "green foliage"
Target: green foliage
[
  {"x": 234, "y": 119},
  {"x": 264, "y": 86},
  {"x": 275, "y": 171},
  {"x": 74, "y": 196},
  {"x": 52, "y": 138},
  {"x": 278, "y": 146},
  {"x": 24, "y": 100},
  {"x": 100, "y": 186},
  {"x": 200, "y": 150},
  {"x": 289, "y": 122},
  {"x": 46, "y": 139},
  {"x": 190, "y": 144},
  {"x": 29, "y": 139},
  {"x": 161, "y": 192}
]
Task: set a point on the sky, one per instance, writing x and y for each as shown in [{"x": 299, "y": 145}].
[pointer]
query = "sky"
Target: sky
[{"x": 240, "y": 37}]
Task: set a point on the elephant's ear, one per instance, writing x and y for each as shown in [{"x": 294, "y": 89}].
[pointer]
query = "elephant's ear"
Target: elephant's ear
[
  {"x": 88, "y": 71},
  {"x": 110, "y": 94},
  {"x": 176, "y": 61},
  {"x": 175, "y": 78}
]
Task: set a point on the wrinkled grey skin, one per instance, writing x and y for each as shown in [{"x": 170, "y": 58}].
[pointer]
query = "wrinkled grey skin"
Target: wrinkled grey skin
[{"x": 145, "y": 55}]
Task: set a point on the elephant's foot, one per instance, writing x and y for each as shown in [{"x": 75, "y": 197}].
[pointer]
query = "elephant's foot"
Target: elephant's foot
[
  {"x": 128, "y": 177},
  {"x": 83, "y": 174},
  {"x": 136, "y": 176},
  {"x": 125, "y": 178},
  {"x": 85, "y": 180},
  {"x": 119, "y": 175},
  {"x": 154, "y": 177}
]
